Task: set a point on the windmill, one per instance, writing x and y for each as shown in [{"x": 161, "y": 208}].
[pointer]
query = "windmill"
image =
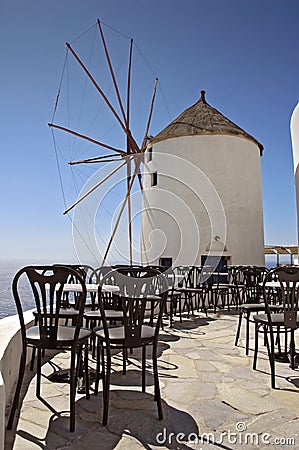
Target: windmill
[{"x": 131, "y": 157}]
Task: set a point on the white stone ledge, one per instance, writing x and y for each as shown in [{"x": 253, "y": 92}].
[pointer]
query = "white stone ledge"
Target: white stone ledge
[{"x": 10, "y": 351}]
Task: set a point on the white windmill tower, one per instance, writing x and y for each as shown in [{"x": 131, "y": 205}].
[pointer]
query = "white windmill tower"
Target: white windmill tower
[
  {"x": 202, "y": 192},
  {"x": 295, "y": 144}
]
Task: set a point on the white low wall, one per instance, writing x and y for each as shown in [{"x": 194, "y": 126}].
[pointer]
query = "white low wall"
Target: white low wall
[{"x": 10, "y": 348}]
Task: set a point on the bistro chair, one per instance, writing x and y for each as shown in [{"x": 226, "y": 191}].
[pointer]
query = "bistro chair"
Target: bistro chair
[
  {"x": 224, "y": 290},
  {"x": 280, "y": 322},
  {"x": 174, "y": 296},
  {"x": 70, "y": 305},
  {"x": 176, "y": 291},
  {"x": 195, "y": 290},
  {"x": 107, "y": 297},
  {"x": 142, "y": 317},
  {"x": 252, "y": 280},
  {"x": 47, "y": 284}
]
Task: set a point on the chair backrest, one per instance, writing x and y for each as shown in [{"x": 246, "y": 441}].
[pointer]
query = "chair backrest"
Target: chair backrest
[
  {"x": 69, "y": 302},
  {"x": 76, "y": 267},
  {"x": 139, "y": 291},
  {"x": 157, "y": 267},
  {"x": 253, "y": 278},
  {"x": 86, "y": 272},
  {"x": 181, "y": 273},
  {"x": 108, "y": 298},
  {"x": 206, "y": 275},
  {"x": 47, "y": 284},
  {"x": 191, "y": 278},
  {"x": 97, "y": 274},
  {"x": 288, "y": 284},
  {"x": 236, "y": 275}
]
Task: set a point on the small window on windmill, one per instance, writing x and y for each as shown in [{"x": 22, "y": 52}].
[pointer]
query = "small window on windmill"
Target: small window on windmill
[
  {"x": 150, "y": 154},
  {"x": 154, "y": 178}
]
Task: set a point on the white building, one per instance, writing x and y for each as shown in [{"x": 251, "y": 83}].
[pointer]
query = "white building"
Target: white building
[
  {"x": 295, "y": 145},
  {"x": 202, "y": 192}
]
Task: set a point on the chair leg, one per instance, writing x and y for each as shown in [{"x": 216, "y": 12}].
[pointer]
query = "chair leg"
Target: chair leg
[
  {"x": 98, "y": 369},
  {"x": 32, "y": 358},
  {"x": 125, "y": 357},
  {"x": 143, "y": 367},
  {"x": 292, "y": 351},
  {"x": 18, "y": 389},
  {"x": 247, "y": 332},
  {"x": 171, "y": 312},
  {"x": 271, "y": 358},
  {"x": 38, "y": 372},
  {"x": 180, "y": 309},
  {"x": 93, "y": 340},
  {"x": 106, "y": 386},
  {"x": 203, "y": 302},
  {"x": 156, "y": 383},
  {"x": 103, "y": 365},
  {"x": 239, "y": 328},
  {"x": 187, "y": 303},
  {"x": 73, "y": 387},
  {"x": 256, "y": 345},
  {"x": 215, "y": 300},
  {"x": 86, "y": 372}
]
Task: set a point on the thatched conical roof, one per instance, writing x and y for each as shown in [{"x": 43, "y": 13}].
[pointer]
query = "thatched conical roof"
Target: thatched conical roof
[{"x": 201, "y": 118}]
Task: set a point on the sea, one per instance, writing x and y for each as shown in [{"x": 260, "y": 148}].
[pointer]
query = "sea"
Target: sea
[{"x": 8, "y": 269}]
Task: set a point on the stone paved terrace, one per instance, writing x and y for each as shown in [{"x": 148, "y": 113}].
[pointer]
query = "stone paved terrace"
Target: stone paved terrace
[{"x": 208, "y": 388}]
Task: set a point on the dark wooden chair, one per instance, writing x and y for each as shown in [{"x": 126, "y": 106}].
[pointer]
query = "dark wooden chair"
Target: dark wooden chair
[
  {"x": 224, "y": 293},
  {"x": 194, "y": 290},
  {"x": 142, "y": 298},
  {"x": 47, "y": 283},
  {"x": 276, "y": 323},
  {"x": 92, "y": 316},
  {"x": 252, "y": 279}
]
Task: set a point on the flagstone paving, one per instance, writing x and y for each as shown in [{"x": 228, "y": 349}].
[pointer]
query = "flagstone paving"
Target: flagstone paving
[{"x": 212, "y": 398}]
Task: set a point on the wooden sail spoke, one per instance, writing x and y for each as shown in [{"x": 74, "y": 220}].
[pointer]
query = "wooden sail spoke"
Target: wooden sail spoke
[
  {"x": 129, "y": 151},
  {"x": 140, "y": 181},
  {"x": 83, "y": 136},
  {"x": 112, "y": 74},
  {"x": 118, "y": 219},
  {"x": 94, "y": 187},
  {"x": 98, "y": 159},
  {"x": 143, "y": 146},
  {"x": 129, "y": 211},
  {"x": 129, "y": 86},
  {"x": 123, "y": 126}
]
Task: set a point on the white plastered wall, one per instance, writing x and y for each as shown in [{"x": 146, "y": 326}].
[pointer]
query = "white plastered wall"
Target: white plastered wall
[
  {"x": 295, "y": 145},
  {"x": 232, "y": 167}
]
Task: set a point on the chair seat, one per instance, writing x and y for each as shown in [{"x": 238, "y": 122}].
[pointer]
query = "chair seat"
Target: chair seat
[
  {"x": 256, "y": 307},
  {"x": 276, "y": 319},
  {"x": 65, "y": 336},
  {"x": 110, "y": 314},
  {"x": 64, "y": 313},
  {"x": 174, "y": 294},
  {"x": 117, "y": 334},
  {"x": 190, "y": 289},
  {"x": 226, "y": 286},
  {"x": 153, "y": 297}
]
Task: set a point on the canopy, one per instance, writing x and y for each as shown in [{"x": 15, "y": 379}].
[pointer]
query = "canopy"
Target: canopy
[{"x": 281, "y": 250}]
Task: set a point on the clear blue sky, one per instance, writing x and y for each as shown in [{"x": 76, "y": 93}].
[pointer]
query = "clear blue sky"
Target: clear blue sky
[{"x": 243, "y": 53}]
